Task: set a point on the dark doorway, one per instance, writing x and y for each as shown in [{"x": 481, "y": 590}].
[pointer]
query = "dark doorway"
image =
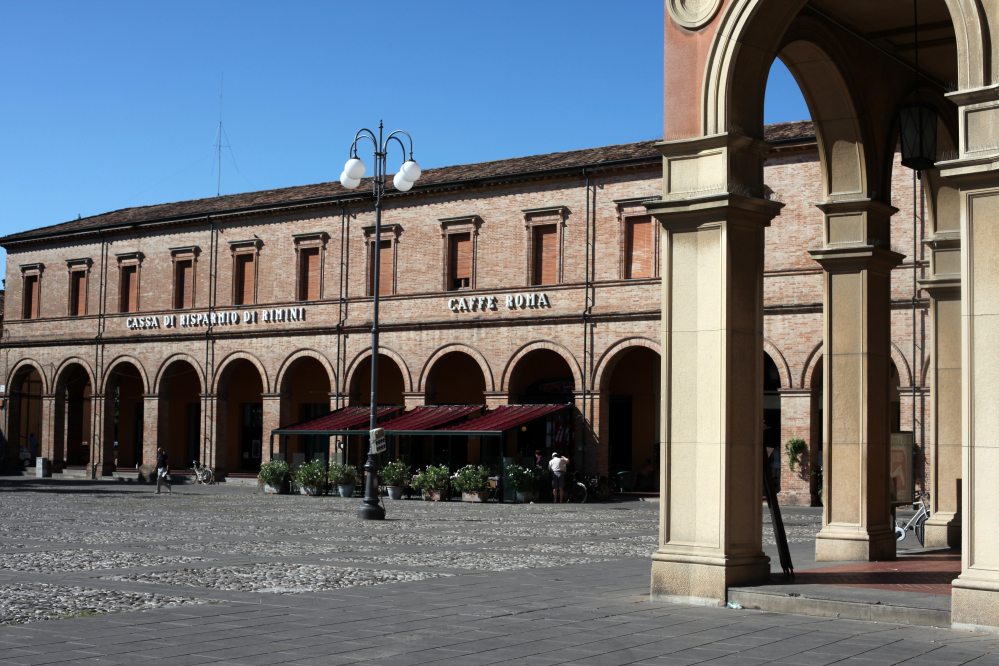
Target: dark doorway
[
  {"x": 193, "y": 435},
  {"x": 771, "y": 414},
  {"x": 621, "y": 419},
  {"x": 251, "y": 434}
]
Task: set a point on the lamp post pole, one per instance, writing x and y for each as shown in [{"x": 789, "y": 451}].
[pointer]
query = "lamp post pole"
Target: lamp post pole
[{"x": 353, "y": 171}]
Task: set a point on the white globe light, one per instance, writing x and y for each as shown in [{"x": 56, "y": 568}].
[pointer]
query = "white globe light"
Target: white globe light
[
  {"x": 354, "y": 169},
  {"x": 348, "y": 182},
  {"x": 411, "y": 171},
  {"x": 401, "y": 183}
]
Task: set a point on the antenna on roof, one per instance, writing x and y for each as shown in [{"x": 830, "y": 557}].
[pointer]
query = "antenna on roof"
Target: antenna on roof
[{"x": 218, "y": 139}]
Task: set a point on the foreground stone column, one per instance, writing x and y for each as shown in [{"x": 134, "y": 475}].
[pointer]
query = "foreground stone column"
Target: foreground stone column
[
  {"x": 712, "y": 378},
  {"x": 856, "y": 519}
]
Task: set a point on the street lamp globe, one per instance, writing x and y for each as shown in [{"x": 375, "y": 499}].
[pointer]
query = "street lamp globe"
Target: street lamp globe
[
  {"x": 401, "y": 183},
  {"x": 411, "y": 171},
  {"x": 348, "y": 182},
  {"x": 354, "y": 169}
]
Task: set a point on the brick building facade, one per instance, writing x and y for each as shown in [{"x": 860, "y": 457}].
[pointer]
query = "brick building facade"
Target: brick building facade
[{"x": 202, "y": 326}]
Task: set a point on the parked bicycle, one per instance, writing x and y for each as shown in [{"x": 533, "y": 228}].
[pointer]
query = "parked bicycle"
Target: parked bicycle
[
  {"x": 918, "y": 522},
  {"x": 203, "y": 473}
]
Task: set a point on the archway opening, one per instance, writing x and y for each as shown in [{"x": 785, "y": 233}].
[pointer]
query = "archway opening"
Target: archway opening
[
  {"x": 542, "y": 377},
  {"x": 771, "y": 415},
  {"x": 632, "y": 434},
  {"x": 456, "y": 379},
  {"x": 306, "y": 389},
  {"x": 73, "y": 417},
  {"x": 391, "y": 389},
  {"x": 817, "y": 432},
  {"x": 25, "y": 417},
  {"x": 124, "y": 403},
  {"x": 241, "y": 419},
  {"x": 180, "y": 414}
]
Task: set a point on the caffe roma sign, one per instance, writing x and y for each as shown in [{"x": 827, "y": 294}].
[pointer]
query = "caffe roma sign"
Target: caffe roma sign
[{"x": 509, "y": 302}]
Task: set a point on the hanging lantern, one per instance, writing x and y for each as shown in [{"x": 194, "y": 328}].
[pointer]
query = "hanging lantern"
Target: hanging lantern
[{"x": 917, "y": 124}]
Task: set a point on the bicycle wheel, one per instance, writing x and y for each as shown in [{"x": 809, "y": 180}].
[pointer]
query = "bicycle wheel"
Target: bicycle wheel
[
  {"x": 920, "y": 529},
  {"x": 209, "y": 477},
  {"x": 603, "y": 492},
  {"x": 578, "y": 493}
]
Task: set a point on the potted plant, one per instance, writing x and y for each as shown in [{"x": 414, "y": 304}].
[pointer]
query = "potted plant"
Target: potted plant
[
  {"x": 432, "y": 481},
  {"x": 344, "y": 477},
  {"x": 525, "y": 482},
  {"x": 311, "y": 477},
  {"x": 395, "y": 475},
  {"x": 275, "y": 475},
  {"x": 473, "y": 482}
]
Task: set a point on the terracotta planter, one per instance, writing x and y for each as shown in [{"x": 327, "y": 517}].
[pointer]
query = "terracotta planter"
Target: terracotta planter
[
  {"x": 433, "y": 495},
  {"x": 395, "y": 492},
  {"x": 276, "y": 490},
  {"x": 346, "y": 491},
  {"x": 475, "y": 496},
  {"x": 527, "y": 496}
]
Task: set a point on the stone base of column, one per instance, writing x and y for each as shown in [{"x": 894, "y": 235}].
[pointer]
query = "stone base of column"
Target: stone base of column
[
  {"x": 943, "y": 530},
  {"x": 832, "y": 545},
  {"x": 703, "y": 581},
  {"x": 104, "y": 469},
  {"x": 974, "y": 606}
]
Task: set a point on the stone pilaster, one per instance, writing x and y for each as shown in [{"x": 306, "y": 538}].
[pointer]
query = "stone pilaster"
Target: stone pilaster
[
  {"x": 414, "y": 399},
  {"x": 275, "y": 408},
  {"x": 496, "y": 399},
  {"x": 712, "y": 378},
  {"x": 975, "y": 594},
  {"x": 152, "y": 434},
  {"x": 856, "y": 520},
  {"x": 47, "y": 437}
]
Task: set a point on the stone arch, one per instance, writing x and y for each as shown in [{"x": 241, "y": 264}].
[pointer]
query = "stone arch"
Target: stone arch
[
  {"x": 169, "y": 360},
  {"x": 605, "y": 366},
  {"x": 487, "y": 371},
  {"x": 304, "y": 353},
  {"x": 577, "y": 375},
  {"x": 902, "y": 364},
  {"x": 125, "y": 358},
  {"x": 811, "y": 362},
  {"x": 223, "y": 368},
  {"x": 19, "y": 368},
  {"x": 782, "y": 365},
  {"x": 407, "y": 377},
  {"x": 64, "y": 366}
]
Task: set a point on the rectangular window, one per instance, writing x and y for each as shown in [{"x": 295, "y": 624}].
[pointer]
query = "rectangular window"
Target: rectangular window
[
  {"x": 308, "y": 289},
  {"x": 385, "y": 268},
  {"x": 638, "y": 247},
  {"x": 183, "y": 297},
  {"x": 545, "y": 254},
  {"x": 460, "y": 261},
  {"x": 77, "y": 293},
  {"x": 30, "y": 297},
  {"x": 129, "y": 289},
  {"x": 244, "y": 280}
]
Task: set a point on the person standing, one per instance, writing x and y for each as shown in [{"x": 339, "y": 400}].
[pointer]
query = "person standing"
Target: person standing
[
  {"x": 162, "y": 469},
  {"x": 557, "y": 465},
  {"x": 33, "y": 446},
  {"x": 537, "y": 458}
]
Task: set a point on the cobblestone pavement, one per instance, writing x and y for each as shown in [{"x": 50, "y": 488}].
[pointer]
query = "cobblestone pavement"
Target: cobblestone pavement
[{"x": 114, "y": 574}]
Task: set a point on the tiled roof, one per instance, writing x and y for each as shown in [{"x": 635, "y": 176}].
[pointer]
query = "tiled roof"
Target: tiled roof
[{"x": 643, "y": 150}]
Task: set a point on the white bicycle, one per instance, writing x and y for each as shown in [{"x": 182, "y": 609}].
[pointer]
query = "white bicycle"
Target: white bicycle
[
  {"x": 918, "y": 522},
  {"x": 203, "y": 473}
]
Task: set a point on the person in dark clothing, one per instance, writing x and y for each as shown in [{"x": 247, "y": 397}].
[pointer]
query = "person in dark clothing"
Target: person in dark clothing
[{"x": 162, "y": 470}]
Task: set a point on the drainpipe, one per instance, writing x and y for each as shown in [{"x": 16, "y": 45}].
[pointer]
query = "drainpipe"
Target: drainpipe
[
  {"x": 340, "y": 313},
  {"x": 207, "y": 448},
  {"x": 916, "y": 200},
  {"x": 98, "y": 433},
  {"x": 587, "y": 310}
]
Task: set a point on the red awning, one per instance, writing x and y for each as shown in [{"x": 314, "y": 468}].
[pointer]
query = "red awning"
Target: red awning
[
  {"x": 340, "y": 422},
  {"x": 502, "y": 419},
  {"x": 427, "y": 417}
]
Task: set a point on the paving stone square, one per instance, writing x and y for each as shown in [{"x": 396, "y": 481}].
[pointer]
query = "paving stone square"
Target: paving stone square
[{"x": 100, "y": 573}]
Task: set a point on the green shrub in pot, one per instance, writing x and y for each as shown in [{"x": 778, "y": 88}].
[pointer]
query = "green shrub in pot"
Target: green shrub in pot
[
  {"x": 311, "y": 474},
  {"x": 434, "y": 477},
  {"x": 524, "y": 479},
  {"x": 471, "y": 478},
  {"x": 396, "y": 473},
  {"x": 275, "y": 473},
  {"x": 343, "y": 475}
]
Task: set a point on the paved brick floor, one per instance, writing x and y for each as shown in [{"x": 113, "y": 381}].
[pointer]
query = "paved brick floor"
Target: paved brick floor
[{"x": 296, "y": 580}]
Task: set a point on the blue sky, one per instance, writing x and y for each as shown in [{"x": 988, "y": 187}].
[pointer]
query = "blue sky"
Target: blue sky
[{"x": 109, "y": 105}]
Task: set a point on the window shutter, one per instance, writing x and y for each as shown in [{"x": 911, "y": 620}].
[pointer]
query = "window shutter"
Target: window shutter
[
  {"x": 460, "y": 256},
  {"x": 244, "y": 279},
  {"x": 545, "y": 254},
  {"x": 31, "y": 297},
  {"x": 184, "y": 287},
  {"x": 129, "y": 286},
  {"x": 78, "y": 291},
  {"x": 639, "y": 248},
  {"x": 385, "y": 268},
  {"x": 309, "y": 274}
]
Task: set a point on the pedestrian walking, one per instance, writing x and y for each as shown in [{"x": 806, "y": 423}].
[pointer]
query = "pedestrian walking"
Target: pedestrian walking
[
  {"x": 162, "y": 470},
  {"x": 557, "y": 465}
]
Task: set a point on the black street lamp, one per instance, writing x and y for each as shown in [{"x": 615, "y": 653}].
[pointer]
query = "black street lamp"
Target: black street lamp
[
  {"x": 917, "y": 120},
  {"x": 408, "y": 174}
]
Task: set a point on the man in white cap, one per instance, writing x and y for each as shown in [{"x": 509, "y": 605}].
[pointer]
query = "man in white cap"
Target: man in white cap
[{"x": 557, "y": 465}]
